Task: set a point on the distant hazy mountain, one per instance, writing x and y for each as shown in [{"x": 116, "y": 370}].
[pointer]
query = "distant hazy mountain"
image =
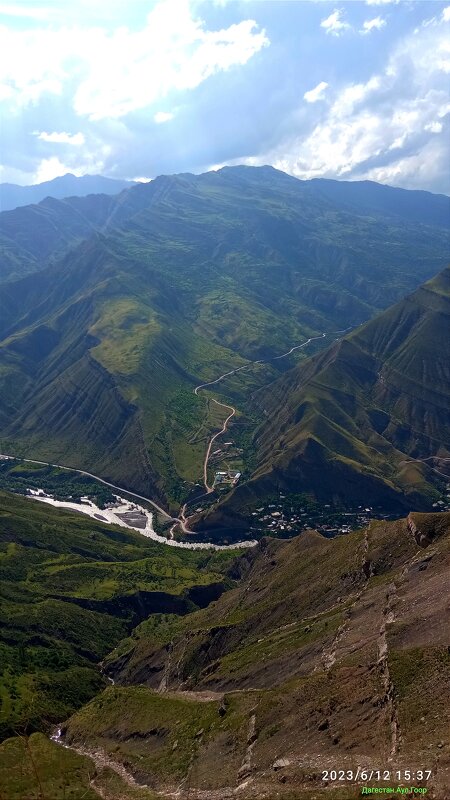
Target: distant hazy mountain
[
  {"x": 172, "y": 284},
  {"x": 377, "y": 198},
  {"x": 365, "y": 421},
  {"x": 13, "y": 196}
]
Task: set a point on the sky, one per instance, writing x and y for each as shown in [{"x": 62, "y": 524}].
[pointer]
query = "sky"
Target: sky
[{"x": 350, "y": 90}]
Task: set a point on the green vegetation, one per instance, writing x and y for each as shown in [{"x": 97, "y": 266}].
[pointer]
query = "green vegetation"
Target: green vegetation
[
  {"x": 292, "y": 654},
  {"x": 149, "y": 725},
  {"x": 205, "y": 274},
  {"x": 19, "y": 476},
  {"x": 421, "y": 681},
  {"x": 98, "y": 362},
  {"x": 71, "y": 588},
  {"x": 351, "y": 425},
  {"x": 37, "y": 769},
  {"x": 284, "y": 665},
  {"x": 261, "y": 622}
]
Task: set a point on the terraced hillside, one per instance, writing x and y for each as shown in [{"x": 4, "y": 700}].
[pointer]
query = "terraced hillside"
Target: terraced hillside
[
  {"x": 325, "y": 655},
  {"x": 175, "y": 283}
]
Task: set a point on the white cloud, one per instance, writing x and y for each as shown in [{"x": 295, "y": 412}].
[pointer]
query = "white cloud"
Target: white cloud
[
  {"x": 399, "y": 142},
  {"x": 32, "y": 63},
  {"x": 434, "y": 127},
  {"x": 5, "y": 91},
  {"x": 163, "y": 116},
  {"x": 419, "y": 170},
  {"x": 129, "y": 71},
  {"x": 437, "y": 19},
  {"x": 443, "y": 111},
  {"x": 316, "y": 94},
  {"x": 334, "y": 23},
  {"x": 111, "y": 74},
  {"x": 50, "y": 168},
  {"x": 387, "y": 128},
  {"x": 78, "y": 161},
  {"x": 61, "y": 138},
  {"x": 353, "y": 96},
  {"x": 375, "y": 24},
  {"x": 444, "y": 65},
  {"x": 381, "y": 2},
  {"x": 29, "y": 12}
]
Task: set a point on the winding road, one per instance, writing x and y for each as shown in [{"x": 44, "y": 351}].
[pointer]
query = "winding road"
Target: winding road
[
  {"x": 95, "y": 477},
  {"x": 182, "y": 520},
  {"x": 209, "y": 488},
  {"x": 424, "y": 460}
]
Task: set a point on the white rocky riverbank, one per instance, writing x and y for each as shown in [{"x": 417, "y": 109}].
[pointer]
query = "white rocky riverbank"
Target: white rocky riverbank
[{"x": 128, "y": 515}]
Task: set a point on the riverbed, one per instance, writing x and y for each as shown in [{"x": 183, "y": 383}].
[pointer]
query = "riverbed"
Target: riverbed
[{"x": 128, "y": 515}]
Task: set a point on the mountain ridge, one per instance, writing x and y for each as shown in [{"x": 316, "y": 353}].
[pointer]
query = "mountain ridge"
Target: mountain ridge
[
  {"x": 197, "y": 275},
  {"x": 13, "y": 195},
  {"x": 368, "y": 417}
]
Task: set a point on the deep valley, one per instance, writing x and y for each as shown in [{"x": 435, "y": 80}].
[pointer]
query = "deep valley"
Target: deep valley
[{"x": 238, "y": 385}]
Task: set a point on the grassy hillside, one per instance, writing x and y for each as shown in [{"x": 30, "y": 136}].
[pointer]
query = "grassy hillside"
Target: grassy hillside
[
  {"x": 19, "y": 476},
  {"x": 71, "y": 588},
  {"x": 33, "y": 235},
  {"x": 192, "y": 276},
  {"x": 366, "y": 421},
  {"x": 325, "y": 654}
]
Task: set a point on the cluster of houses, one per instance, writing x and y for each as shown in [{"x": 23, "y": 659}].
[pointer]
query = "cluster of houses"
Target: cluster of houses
[
  {"x": 225, "y": 479},
  {"x": 285, "y": 520}
]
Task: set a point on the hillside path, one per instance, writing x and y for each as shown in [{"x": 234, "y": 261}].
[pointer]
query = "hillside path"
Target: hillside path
[
  {"x": 182, "y": 520},
  {"x": 250, "y": 364}
]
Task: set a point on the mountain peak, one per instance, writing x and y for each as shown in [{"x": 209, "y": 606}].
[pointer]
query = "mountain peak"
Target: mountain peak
[{"x": 13, "y": 196}]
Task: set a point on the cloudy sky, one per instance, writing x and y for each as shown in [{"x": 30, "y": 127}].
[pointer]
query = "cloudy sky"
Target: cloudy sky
[{"x": 134, "y": 89}]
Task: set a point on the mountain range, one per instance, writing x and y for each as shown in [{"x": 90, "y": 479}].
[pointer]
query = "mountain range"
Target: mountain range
[
  {"x": 12, "y": 195},
  {"x": 110, "y": 321},
  {"x": 293, "y": 332}
]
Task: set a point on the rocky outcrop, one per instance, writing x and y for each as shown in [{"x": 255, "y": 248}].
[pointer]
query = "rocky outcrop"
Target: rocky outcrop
[{"x": 425, "y": 528}]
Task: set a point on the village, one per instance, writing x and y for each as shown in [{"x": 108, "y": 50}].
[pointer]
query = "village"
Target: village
[
  {"x": 284, "y": 515},
  {"x": 290, "y": 515},
  {"x": 287, "y": 515}
]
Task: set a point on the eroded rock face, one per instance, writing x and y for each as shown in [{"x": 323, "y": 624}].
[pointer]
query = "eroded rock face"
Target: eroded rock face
[
  {"x": 312, "y": 658},
  {"x": 425, "y": 528},
  {"x": 412, "y": 527}
]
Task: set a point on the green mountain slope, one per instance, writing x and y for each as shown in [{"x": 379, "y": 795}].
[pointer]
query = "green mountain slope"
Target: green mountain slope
[
  {"x": 33, "y": 235},
  {"x": 366, "y": 421},
  {"x": 380, "y": 200},
  {"x": 71, "y": 588},
  {"x": 195, "y": 275},
  {"x": 325, "y": 655}
]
